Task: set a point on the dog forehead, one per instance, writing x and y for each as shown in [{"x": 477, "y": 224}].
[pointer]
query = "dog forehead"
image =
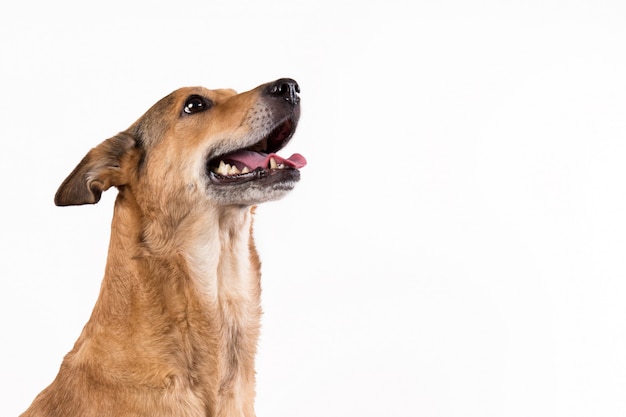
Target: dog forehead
[{"x": 219, "y": 94}]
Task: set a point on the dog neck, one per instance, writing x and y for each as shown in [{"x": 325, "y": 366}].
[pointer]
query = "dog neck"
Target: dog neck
[
  {"x": 210, "y": 246},
  {"x": 193, "y": 301}
]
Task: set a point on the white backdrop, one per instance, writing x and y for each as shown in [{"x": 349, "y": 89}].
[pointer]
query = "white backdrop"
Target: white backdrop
[{"x": 456, "y": 245}]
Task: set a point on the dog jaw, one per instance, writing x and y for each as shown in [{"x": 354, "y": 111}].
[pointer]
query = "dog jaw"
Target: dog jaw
[
  {"x": 246, "y": 171},
  {"x": 268, "y": 187}
]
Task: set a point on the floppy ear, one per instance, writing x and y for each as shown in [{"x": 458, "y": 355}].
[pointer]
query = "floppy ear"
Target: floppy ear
[{"x": 100, "y": 169}]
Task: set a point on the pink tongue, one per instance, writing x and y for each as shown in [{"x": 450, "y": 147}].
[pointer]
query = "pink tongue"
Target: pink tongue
[{"x": 254, "y": 160}]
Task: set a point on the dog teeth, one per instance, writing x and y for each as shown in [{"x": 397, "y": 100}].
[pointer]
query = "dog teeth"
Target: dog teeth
[
  {"x": 222, "y": 169},
  {"x": 275, "y": 165},
  {"x": 228, "y": 169}
]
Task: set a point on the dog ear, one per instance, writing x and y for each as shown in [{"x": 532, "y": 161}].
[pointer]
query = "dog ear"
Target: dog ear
[{"x": 100, "y": 169}]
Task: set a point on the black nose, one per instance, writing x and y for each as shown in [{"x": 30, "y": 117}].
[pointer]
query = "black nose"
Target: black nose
[{"x": 285, "y": 88}]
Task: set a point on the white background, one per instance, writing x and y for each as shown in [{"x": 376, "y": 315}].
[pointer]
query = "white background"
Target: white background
[{"x": 456, "y": 246}]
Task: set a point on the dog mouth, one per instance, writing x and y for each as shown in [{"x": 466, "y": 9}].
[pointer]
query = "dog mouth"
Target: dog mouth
[{"x": 257, "y": 161}]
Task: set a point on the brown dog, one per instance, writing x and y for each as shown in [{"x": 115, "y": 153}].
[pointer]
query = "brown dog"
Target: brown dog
[{"x": 175, "y": 327}]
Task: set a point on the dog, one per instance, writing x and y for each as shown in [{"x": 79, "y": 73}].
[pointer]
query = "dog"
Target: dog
[{"x": 174, "y": 329}]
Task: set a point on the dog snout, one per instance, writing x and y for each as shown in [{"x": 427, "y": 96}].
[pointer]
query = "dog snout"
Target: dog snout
[{"x": 285, "y": 89}]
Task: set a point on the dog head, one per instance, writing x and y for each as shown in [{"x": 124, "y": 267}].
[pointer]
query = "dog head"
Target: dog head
[{"x": 198, "y": 145}]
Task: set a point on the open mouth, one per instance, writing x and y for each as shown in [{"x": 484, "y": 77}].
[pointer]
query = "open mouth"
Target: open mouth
[{"x": 257, "y": 161}]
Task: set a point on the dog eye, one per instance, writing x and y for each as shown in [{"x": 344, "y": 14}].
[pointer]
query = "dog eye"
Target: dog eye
[{"x": 196, "y": 104}]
